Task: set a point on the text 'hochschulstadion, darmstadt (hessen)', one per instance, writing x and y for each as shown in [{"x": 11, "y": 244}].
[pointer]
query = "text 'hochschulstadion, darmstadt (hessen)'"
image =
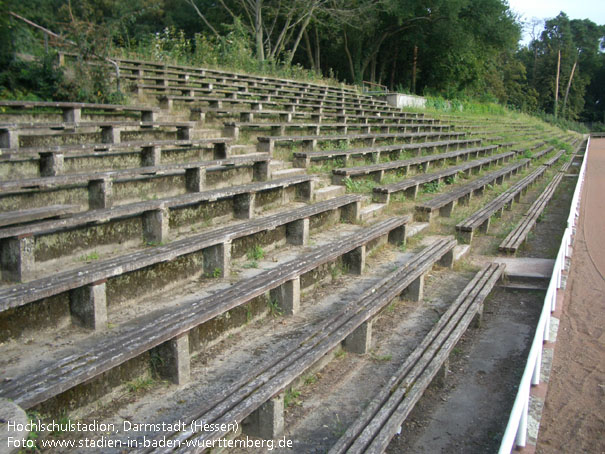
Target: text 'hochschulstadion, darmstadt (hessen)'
[{"x": 196, "y": 434}]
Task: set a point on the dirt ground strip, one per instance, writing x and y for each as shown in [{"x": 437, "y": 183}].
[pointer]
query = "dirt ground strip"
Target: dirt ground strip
[
  {"x": 468, "y": 413},
  {"x": 574, "y": 414}
]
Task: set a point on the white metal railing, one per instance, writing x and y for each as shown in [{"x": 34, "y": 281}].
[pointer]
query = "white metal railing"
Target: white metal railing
[{"x": 516, "y": 429}]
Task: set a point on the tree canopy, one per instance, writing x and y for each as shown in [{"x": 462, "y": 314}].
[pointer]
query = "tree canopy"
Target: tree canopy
[{"x": 449, "y": 48}]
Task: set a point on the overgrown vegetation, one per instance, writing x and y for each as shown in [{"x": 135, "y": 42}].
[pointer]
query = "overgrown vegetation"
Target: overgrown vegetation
[{"x": 465, "y": 51}]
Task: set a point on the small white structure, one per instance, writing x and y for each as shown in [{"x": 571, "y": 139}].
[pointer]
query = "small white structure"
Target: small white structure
[{"x": 403, "y": 100}]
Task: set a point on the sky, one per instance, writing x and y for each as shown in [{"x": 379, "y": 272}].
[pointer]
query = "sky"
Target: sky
[{"x": 575, "y": 9}]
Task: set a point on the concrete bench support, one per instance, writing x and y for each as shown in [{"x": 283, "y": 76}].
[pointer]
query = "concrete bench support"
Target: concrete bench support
[
  {"x": 183, "y": 133},
  {"x": 151, "y": 156},
  {"x": 355, "y": 261},
  {"x": 173, "y": 359},
  {"x": 415, "y": 291},
  {"x": 397, "y": 236},
  {"x": 110, "y": 134},
  {"x": 72, "y": 115},
  {"x": 287, "y": 296},
  {"x": 297, "y": 232},
  {"x": 51, "y": 164},
  {"x": 217, "y": 260},
  {"x": 9, "y": 138},
  {"x": 351, "y": 212},
  {"x": 360, "y": 340},
  {"x": 88, "y": 306},
  {"x": 261, "y": 171},
  {"x": 266, "y": 422},
  {"x": 100, "y": 194},
  {"x": 447, "y": 260},
  {"x": 17, "y": 258},
  {"x": 156, "y": 226},
  {"x": 231, "y": 130},
  {"x": 243, "y": 205},
  {"x": 446, "y": 210},
  {"x": 195, "y": 179}
]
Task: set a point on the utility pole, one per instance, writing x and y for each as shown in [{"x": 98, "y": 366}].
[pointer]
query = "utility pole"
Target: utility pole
[{"x": 557, "y": 84}]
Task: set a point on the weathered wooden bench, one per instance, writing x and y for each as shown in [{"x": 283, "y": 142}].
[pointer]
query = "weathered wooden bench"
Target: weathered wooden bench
[
  {"x": 480, "y": 219},
  {"x": 36, "y": 214},
  {"x": 518, "y": 235},
  {"x": 552, "y": 161},
  {"x": 446, "y": 202},
  {"x": 410, "y": 186},
  {"x": 72, "y": 111},
  {"x": 261, "y": 389},
  {"x": 404, "y": 165},
  {"x": 67, "y": 159},
  {"x": 541, "y": 153},
  {"x": 381, "y": 419},
  {"x": 258, "y": 160},
  {"x": 304, "y": 158},
  {"x": 17, "y": 256},
  {"x": 266, "y": 144},
  {"x": 168, "y": 329},
  {"x": 232, "y": 129},
  {"x": 215, "y": 245},
  {"x": 245, "y": 116},
  {"x": 10, "y": 134}
]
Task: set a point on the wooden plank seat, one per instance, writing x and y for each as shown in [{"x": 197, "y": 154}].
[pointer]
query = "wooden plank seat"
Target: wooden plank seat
[
  {"x": 518, "y": 235},
  {"x": 83, "y": 188},
  {"x": 304, "y": 158},
  {"x": 480, "y": 219},
  {"x": 9, "y": 218},
  {"x": 266, "y": 144},
  {"x": 446, "y": 202},
  {"x": 150, "y": 151},
  {"x": 552, "y": 161},
  {"x": 110, "y": 131},
  {"x": 248, "y": 116},
  {"x": 260, "y": 385},
  {"x": 420, "y": 163},
  {"x": 101, "y": 353},
  {"x": 410, "y": 186},
  {"x": 232, "y": 129},
  {"x": 382, "y": 417},
  {"x": 541, "y": 153},
  {"x": 207, "y": 89},
  {"x": 149, "y": 220},
  {"x": 167, "y": 102},
  {"x": 72, "y": 111}
]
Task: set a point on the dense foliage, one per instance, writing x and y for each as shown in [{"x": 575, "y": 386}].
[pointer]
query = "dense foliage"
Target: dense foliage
[{"x": 455, "y": 49}]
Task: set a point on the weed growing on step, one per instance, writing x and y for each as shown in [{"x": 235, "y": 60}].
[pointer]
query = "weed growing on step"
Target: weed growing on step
[
  {"x": 251, "y": 264},
  {"x": 274, "y": 308},
  {"x": 310, "y": 379},
  {"x": 255, "y": 253},
  {"x": 94, "y": 255},
  {"x": 292, "y": 398},
  {"x": 140, "y": 384},
  {"x": 380, "y": 358},
  {"x": 340, "y": 354},
  {"x": 217, "y": 272},
  {"x": 432, "y": 187},
  {"x": 360, "y": 185}
]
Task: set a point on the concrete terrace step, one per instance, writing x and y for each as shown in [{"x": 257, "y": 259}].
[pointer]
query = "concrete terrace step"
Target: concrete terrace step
[
  {"x": 283, "y": 173},
  {"x": 372, "y": 210},
  {"x": 242, "y": 149},
  {"x": 329, "y": 192}
]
